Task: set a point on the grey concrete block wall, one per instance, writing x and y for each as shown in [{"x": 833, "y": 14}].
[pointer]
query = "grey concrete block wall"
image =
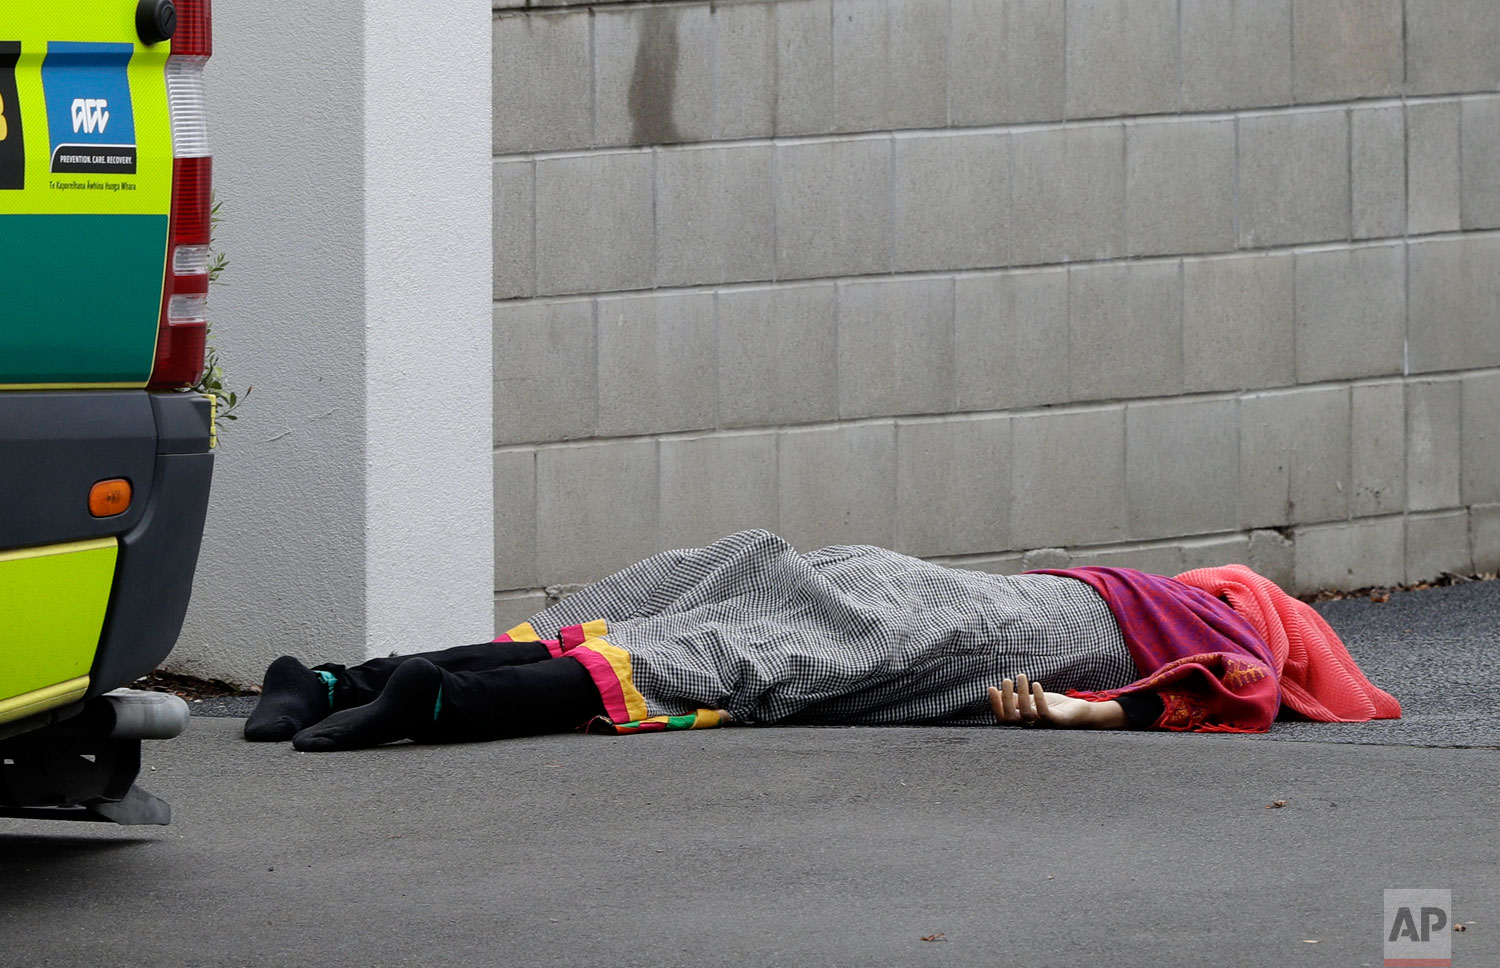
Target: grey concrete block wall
[
  {"x": 595, "y": 222},
  {"x": 895, "y": 347},
  {"x": 1454, "y": 292},
  {"x": 1068, "y": 193},
  {"x": 715, "y": 215},
  {"x": 1181, "y": 458},
  {"x": 1068, "y": 478},
  {"x": 1479, "y": 439},
  {"x": 546, "y": 370},
  {"x": 1479, "y": 162},
  {"x": 1451, "y": 44},
  {"x": 1432, "y": 173},
  {"x": 1438, "y": 544},
  {"x": 513, "y": 608},
  {"x": 861, "y": 75},
  {"x": 1377, "y": 171},
  {"x": 1377, "y": 449},
  {"x": 712, "y": 486},
  {"x": 999, "y": 283},
  {"x": 1010, "y": 337},
  {"x": 837, "y": 485},
  {"x": 1434, "y": 469},
  {"x": 1125, "y": 330},
  {"x": 653, "y": 75},
  {"x": 543, "y": 95},
  {"x": 953, "y": 485},
  {"x": 1237, "y": 322},
  {"x": 889, "y": 64},
  {"x": 803, "y": 80},
  {"x": 1005, "y": 61},
  {"x": 596, "y": 508},
  {"x": 1158, "y": 559},
  {"x": 1344, "y": 49},
  {"x": 513, "y": 238},
  {"x": 1364, "y": 553},
  {"x": 658, "y": 363},
  {"x": 744, "y": 60},
  {"x": 515, "y": 519},
  {"x": 1350, "y": 312},
  {"x": 778, "y": 355},
  {"x": 917, "y": 64},
  {"x": 1235, "y": 53},
  {"x": 950, "y": 201},
  {"x": 1273, "y": 554},
  {"x": 1100, "y": 83},
  {"x": 1484, "y": 537},
  {"x": 1179, "y": 186},
  {"x": 833, "y": 208},
  {"x": 1294, "y": 178},
  {"x": 1294, "y": 456}
]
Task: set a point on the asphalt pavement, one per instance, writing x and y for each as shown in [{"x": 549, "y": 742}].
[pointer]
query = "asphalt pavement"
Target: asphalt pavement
[{"x": 778, "y": 846}]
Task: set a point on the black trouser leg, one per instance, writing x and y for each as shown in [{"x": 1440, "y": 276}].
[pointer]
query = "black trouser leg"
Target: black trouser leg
[
  {"x": 522, "y": 700},
  {"x": 429, "y": 704},
  {"x": 360, "y": 684}
]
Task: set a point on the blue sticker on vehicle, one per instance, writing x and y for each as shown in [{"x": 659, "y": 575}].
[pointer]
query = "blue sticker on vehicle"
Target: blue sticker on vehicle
[
  {"x": 89, "y": 116},
  {"x": 12, "y": 144}
]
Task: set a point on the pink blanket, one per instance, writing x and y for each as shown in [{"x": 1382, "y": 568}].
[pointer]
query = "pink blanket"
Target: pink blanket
[{"x": 1319, "y": 679}]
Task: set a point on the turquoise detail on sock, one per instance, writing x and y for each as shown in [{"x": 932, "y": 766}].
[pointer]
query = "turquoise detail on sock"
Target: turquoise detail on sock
[
  {"x": 328, "y": 680},
  {"x": 437, "y": 706}
]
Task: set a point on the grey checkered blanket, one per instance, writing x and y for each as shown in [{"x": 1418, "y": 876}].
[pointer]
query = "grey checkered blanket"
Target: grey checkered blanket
[{"x": 847, "y": 634}]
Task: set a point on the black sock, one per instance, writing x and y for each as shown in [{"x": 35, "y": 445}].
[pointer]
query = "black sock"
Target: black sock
[
  {"x": 406, "y": 708},
  {"x": 292, "y": 697}
]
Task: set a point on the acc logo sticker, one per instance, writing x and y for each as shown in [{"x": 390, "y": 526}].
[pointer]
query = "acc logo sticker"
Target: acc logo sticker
[
  {"x": 89, "y": 116},
  {"x": 12, "y": 145}
]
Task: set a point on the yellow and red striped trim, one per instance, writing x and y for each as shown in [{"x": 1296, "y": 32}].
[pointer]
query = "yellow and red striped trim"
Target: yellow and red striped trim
[{"x": 625, "y": 709}]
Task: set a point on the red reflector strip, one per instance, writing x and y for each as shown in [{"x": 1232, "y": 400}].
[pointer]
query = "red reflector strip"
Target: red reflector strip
[
  {"x": 181, "y": 329},
  {"x": 179, "y": 341},
  {"x": 194, "y": 34},
  {"x": 179, "y": 354},
  {"x": 192, "y": 200}
]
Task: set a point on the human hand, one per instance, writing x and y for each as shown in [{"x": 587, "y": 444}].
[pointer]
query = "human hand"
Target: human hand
[{"x": 1023, "y": 703}]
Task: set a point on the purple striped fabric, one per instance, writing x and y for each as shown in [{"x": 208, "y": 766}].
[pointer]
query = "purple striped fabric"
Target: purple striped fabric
[{"x": 1211, "y": 667}]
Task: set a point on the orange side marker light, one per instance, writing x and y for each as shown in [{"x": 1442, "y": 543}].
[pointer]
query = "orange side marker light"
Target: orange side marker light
[{"x": 109, "y": 498}]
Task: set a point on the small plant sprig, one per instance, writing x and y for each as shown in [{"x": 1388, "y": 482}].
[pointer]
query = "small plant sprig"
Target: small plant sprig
[{"x": 211, "y": 383}]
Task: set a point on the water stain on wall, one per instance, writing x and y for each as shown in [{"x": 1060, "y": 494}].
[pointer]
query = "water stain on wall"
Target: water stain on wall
[{"x": 654, "y": 80}]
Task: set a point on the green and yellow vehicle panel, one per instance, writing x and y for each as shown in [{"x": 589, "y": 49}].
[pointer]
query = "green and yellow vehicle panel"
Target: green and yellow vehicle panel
[
  {"x": 51, "y": 614},
  {"x": 93, "y": 593},
  {"x": 85, "y": 193}
]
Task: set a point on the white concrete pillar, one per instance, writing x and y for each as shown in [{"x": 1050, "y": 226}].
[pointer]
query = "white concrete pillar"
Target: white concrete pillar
[{"x": 352, "y": 511}]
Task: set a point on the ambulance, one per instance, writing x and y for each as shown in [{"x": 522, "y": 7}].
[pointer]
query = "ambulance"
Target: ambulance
[{"x": 106, "y": 454}]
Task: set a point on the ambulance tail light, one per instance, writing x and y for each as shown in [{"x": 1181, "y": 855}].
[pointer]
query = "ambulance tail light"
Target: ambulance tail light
[
  {"x": 184, "y": 323},
  {"x": 194, "y": 36}
]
